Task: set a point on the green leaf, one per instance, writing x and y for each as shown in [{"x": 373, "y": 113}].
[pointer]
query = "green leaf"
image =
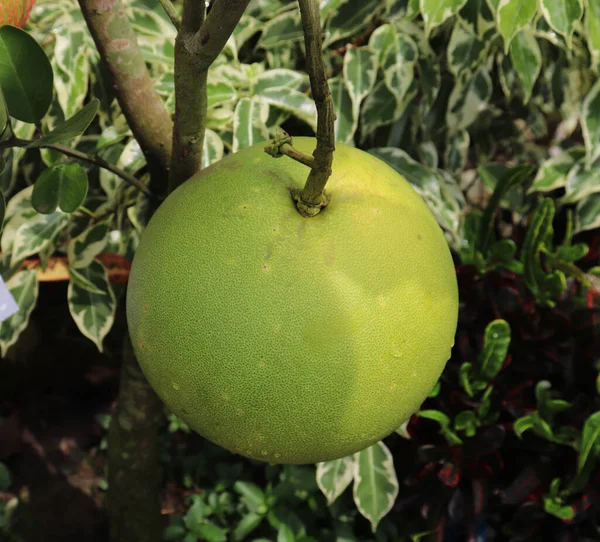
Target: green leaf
[
  {"x": 26, "y": 76},
  {"x": 375, "y": 483},
  {"x": 589, "y": 447},
  {"x": 467, "y": 422},
  {"x": 83, "y": 249},
  {"x": 495, "y": 349},
  {"x": 247, "y": 524},
  {"x": 333, "y": 477},
  {"x": 587, "y": 214},
  {"x": 345, "y": 122},
  {"x": 24, "y": 288},
  {"x": 62, "y": 185},
  {"x": 561, "y": 511},
  {"x": 254, "y": 497},
  {"x": 562, "y": 15},
  {"x": 436, "y": 416},
  {"x": 93, "y": 313},
  {"x": 435, "y": 12},
  {"x": 249, "y": 122},
  {"x": 211, "y": 532},
  {"x": 174, "y": 532},
  {"x": 5, "y": 478},
  {"x": 469, "y": 98},
  {"x": 4, "y": 119},
  {"x": 526, "y": 57},
  {"x": 293, "y": 101},
  {"x": 523, "y": 424},
  {"x": 592, "y": 30},
  {"x": 512, "y": 16},
  {"x": 36, "y": 234},
  {"x": 590, "y": 124},
  {"x": 381, "y": 39},
  {"x": 70, "y": 129},
  {"x": 380, "y": 108},
  {"x": 219, "y": 93},
  {"x": 285, "y": 534}
]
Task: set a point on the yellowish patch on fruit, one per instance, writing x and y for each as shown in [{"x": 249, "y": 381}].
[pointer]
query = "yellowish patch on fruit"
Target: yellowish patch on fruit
[{"x": 325, "y": 333}]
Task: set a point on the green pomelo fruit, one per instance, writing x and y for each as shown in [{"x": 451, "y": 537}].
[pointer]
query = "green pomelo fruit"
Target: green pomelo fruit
[{"x": 291, "y": 339}]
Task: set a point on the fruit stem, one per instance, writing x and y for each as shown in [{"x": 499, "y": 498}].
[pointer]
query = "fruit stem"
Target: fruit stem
[{"x": 312, "y": 199}]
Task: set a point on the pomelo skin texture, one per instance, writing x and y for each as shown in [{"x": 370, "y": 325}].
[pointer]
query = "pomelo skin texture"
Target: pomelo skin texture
[
  {"x": 15, "y": 12},
  {"x": 289, "y": 339}
]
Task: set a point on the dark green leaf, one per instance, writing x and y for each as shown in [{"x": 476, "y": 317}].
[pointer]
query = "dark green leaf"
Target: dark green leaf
[
  {"x": 174, "y": 532},
  {"x": 247, "y": 524},
  {"x": 5, "y": 478},
  {"x": 71, "y": 128},
  {"x": 503, "y": 250},
  {"x": 62, "y": 185},
  {"x": 25, "y": 75}
]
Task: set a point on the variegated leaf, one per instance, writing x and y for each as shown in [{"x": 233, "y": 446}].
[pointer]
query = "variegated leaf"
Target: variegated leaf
[
  {"x": 279, "y": 77},
  {"x": 477, "y": 17},
  {"x": 435, "y": 12},
  {"x": 587, "y": 214},
  {"x": 590, "y": 124},
  {"x": 562, "y": 15},
  {"x": 36, "y": 234},
  {"x": 592, "y": 30},
  {"x": 333, "y": 477},
  {"x": 465, "y": 50},
  {"x": 360, "y": 73},
  {"x": 351, "y": 17},
  {"x": 249, "y": 122},
  {"x": 94, "y": 313},
  {"x": 292, "y": 101},
  {"x": 375, "y": 483},
  {"x": 512, "y": 16},
  {"x": 24, "y": 288},
  {"x": 213, "y": 148},
  {"x": 526, "y": 58},
  {"x": 457, "y": 152},
  {"x": 399, "y": 65},
  {"x": 553, "y": 172},
  {"x": 581, "y": 183},
  {"x": 83, "y": 249},
  {"x": 280, "y": 29},
  {"x": 382, "y": 38},
  {"x": 470, "y": 96},
  {"x": 345, "y": 122}
]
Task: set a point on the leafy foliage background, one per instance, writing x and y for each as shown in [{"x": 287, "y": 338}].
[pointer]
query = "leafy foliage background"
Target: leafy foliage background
[{"x": 491, "y": 109}]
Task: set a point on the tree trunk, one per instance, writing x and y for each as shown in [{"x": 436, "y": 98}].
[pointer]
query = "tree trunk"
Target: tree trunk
[{"x": 133, "y": 455}]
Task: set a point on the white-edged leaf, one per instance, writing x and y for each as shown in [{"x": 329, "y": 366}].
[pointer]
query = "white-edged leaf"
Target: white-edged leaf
[
  {"x": 469, "y": 97},
  {"x": 292, "y": 101},
  {"x": 399, "y": 65},
  {"x": 280, "y": 29},
  {"x": 465, "y": 50},
  {"x": 360, "y": 73},
  {"x": 24, "y": 288},
  {"x": 382, "y": 38},
  {"x": 219, "y": 92},
  {"x": 512, "y": 16},
  {"x": 457, "y": 151},
  {"x": 590, "y": 123},
  {"x": 213, "y": 148},
  {"x": 553, "y": 172},
  {"x": 83, "y": 249},
  {"x": 526, "y": 58},
  {"x": 435, "y": 12},
  {"x": 375, "y": 483},
  {"x": 351, "y": 17},
  {"x": 36, "y": 234},
  {"x": 249, "y": 122},
  {"x": 18, "y": 211},
  {"x": 562, "y": 15},
  {"x": 333, "y": 477},
  {"x": 587, "y": 214},
  {"x": 581, "y": 183},
  {"x": 346, "y": 122},
  {"x": 279, "y": 77},
  {"x": 93, "y": 313}
]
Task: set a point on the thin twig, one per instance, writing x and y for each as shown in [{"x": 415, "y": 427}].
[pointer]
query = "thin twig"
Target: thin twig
[
  {"x": 171, "y": 12},
  {"x": 313, "y": 198},
  {"x": 90, "y": 158}
]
